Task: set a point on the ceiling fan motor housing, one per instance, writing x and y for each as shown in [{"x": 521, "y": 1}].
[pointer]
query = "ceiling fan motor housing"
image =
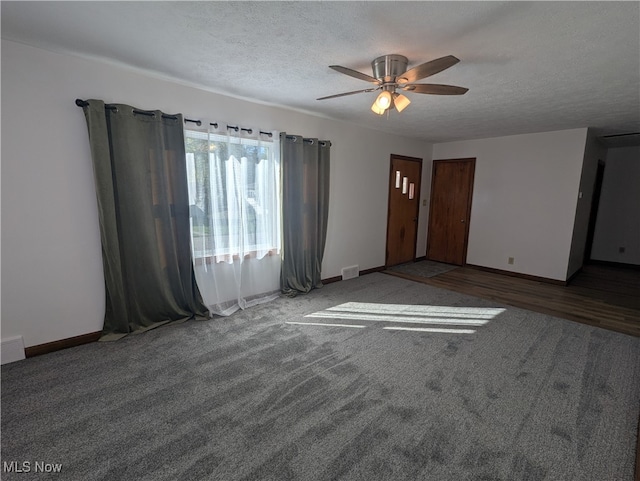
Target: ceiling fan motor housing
[{"x": 388, "y": 67}]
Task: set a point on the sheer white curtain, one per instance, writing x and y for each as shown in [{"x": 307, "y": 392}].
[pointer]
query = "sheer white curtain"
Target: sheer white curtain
[{"x": 234, "y": 197}]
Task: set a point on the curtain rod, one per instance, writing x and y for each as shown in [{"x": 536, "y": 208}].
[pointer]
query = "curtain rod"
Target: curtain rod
[
  {"x": 84, "y": 103},
  {"x": 229, "y": 127},
  {"x": 150, "y": 113},
  {"x": 309, "y": 141}
]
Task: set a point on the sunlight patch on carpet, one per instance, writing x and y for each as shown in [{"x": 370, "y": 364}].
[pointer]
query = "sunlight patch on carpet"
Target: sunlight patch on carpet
[
  {"x": 408, "y": 314},
  {"x": 325, "y": 324},
  {"x": 431, "y": 329}
]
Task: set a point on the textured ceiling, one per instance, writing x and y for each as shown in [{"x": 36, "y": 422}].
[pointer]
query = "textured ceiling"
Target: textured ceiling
[{"x": 529, "y": 66}]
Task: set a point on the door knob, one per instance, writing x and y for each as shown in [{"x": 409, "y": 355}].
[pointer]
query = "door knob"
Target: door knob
[{"x": 462, "y": 220}]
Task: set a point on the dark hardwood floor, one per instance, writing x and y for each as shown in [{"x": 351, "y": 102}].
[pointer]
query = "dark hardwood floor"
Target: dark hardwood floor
[{"x": 599, "y": 295}]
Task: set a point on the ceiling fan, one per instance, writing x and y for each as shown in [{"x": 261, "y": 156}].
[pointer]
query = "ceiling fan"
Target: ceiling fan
[{"x": 390, "y": 74}]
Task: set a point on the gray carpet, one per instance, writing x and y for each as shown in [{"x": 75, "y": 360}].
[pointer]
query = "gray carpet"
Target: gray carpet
[
  {"x": 424, "y": 268},
  {"x": 524, "y": 396}
]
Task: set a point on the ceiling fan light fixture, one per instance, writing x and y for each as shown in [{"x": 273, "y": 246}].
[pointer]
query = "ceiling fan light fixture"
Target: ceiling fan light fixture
[
  {"x": 384, "y": 100},
  {"x": 400, "y": 102},
  {"x": 377, "y": 109}
]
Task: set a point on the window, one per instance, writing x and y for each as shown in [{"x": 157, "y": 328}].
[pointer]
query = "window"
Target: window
[{"x": 234, "y": 184}]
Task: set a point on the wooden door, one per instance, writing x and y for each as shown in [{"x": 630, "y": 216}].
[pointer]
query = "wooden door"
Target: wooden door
[
  {"x": 450, "y": 210},
  {"x": 404, "y": 205}
]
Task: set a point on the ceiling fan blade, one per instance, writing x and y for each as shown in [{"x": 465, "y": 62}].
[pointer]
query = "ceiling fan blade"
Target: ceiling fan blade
[
  {"x": 354, "y": 73},
  {"x": 347, "y": 93},
  {"x": 428, "y": 69},
  {"x": 435, "y": 89}
]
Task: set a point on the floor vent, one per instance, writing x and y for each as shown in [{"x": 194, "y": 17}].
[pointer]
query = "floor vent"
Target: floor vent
[
  {"x": 350, "y": 272},
  {"x": 12, "y": 349}
]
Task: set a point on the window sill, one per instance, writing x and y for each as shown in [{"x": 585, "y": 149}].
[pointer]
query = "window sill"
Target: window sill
[{"x": 227, "y": 258}]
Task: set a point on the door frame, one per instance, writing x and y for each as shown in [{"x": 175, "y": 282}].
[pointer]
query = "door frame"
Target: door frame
[
  {"x": 472, "y": 161},
  {"x": 593, "y": 214},
  {"x": 417, "y": 194}
]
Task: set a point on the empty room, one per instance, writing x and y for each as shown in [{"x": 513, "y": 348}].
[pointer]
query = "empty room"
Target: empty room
[{"x": 320, "y": 240}]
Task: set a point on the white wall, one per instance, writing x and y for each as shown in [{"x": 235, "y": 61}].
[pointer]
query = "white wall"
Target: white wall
[
  {"x": 618, "y": 221},
  {"x": 52, "y": 285},
  {"x": 524, "y": 199},
  {"x": 593, "y": 152}
]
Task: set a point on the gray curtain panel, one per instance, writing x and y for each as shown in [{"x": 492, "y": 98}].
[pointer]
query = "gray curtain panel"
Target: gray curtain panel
[
  {"x": 143, "y": 205},
  {"x": 305, "y": 210}
]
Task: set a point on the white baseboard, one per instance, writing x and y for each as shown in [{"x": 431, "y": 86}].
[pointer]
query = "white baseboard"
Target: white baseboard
[{"x": 12, "y": 349}]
